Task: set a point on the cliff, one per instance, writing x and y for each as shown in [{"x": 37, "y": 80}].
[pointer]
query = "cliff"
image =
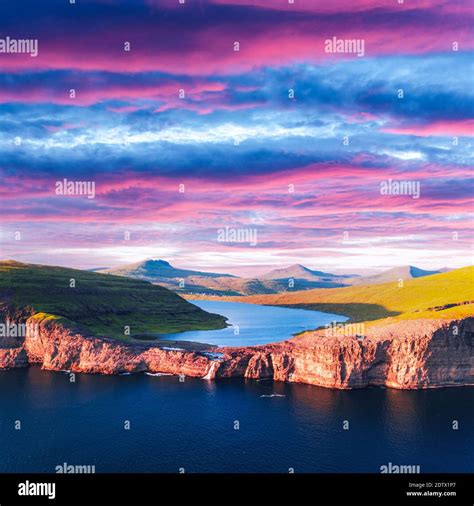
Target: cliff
[
  {"x": 409, "y": 354},
  {"x": 405, "y": 354}
]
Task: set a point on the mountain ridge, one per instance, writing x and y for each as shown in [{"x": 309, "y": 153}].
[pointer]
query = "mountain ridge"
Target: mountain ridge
[
  {"x": 156, "y": 267},
  {"x": 287, "y": 279}
]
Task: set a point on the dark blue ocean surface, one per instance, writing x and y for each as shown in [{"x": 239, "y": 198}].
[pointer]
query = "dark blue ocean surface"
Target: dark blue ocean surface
[
  {"x": 190, "y": 425},
  {"x": 252, "y": 324}
]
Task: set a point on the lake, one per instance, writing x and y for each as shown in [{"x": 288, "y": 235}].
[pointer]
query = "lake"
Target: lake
[
  {"x": 252, "y": 324},
  {"x": 191, "y": 425}
]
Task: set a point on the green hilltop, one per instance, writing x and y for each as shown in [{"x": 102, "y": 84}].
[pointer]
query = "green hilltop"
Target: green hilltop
[
  {"x": 445, "y": 295},
  {"x": 99, "y": 303}
]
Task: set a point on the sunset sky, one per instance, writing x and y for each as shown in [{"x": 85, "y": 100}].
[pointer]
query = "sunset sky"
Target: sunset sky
[{"x": 304, "y": 172}]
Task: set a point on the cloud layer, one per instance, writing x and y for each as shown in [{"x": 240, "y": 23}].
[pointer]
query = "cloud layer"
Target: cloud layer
[{"x": 182, "y": 134}]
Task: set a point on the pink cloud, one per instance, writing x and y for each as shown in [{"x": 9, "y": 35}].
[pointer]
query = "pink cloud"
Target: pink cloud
[
  {"x": 209, "y": 49},
  {"x": 438, "y": 128},
  {"x": 97, "y": 91}
]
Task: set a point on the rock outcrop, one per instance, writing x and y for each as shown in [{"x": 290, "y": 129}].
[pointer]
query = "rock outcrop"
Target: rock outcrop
[{"x": 405, "y": 354}]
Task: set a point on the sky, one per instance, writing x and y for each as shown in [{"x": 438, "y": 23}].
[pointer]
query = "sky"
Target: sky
[{"x": 238, "y": 135}]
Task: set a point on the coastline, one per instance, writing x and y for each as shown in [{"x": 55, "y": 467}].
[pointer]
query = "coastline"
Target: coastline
[{"x": 408, "y": 354}]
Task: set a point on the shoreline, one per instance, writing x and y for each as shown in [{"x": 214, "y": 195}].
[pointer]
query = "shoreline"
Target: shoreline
[{"x": 408, "y": 354}]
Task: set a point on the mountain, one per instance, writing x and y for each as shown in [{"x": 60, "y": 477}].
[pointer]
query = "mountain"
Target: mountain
[
  {"x": 157, "y": 270},
  {"x": 299, "y": 277},
  {"x": 289, "y": 279},
  {"x": 297, "y": 271},
  {"x": 161, "y": 272},
  {"x": 103, "y": 305},
  {"x": 189, "y": 281},
  {"x": 393, "y": 274},
  {"x": 446, "y": 295}
]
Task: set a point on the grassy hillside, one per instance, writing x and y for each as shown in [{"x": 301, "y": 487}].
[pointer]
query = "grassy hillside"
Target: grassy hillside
[
  {"x": 393, "y": 274},
  {"x": 101, "y": 303},
  {"x": 446, "y": 295}
]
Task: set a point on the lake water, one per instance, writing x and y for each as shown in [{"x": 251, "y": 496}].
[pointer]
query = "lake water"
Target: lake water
[
  {"x": 252, "y": 324},
  {"x": 191, "y": 424}
]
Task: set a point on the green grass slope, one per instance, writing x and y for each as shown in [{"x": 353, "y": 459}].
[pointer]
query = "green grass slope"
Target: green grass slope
[
  {"x": 101, "y": 303},
  {"x": 446, "y": 295}
]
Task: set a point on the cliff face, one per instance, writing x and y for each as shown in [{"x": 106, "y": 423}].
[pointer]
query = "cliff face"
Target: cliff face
[
  {"x": 406, "y": 354},
  {"x": 58, "y": 348}
]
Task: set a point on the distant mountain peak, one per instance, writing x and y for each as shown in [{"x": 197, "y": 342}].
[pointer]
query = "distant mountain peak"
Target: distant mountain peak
[
  {"x": 410, "y": 270},
  {"x": 299, "y": 266},
  {"x": 156, "y": 261},
  {"x": 296, "y": 271},
  {"x": 156, "y": 270},
  {"x": 394, "y": 274}
]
